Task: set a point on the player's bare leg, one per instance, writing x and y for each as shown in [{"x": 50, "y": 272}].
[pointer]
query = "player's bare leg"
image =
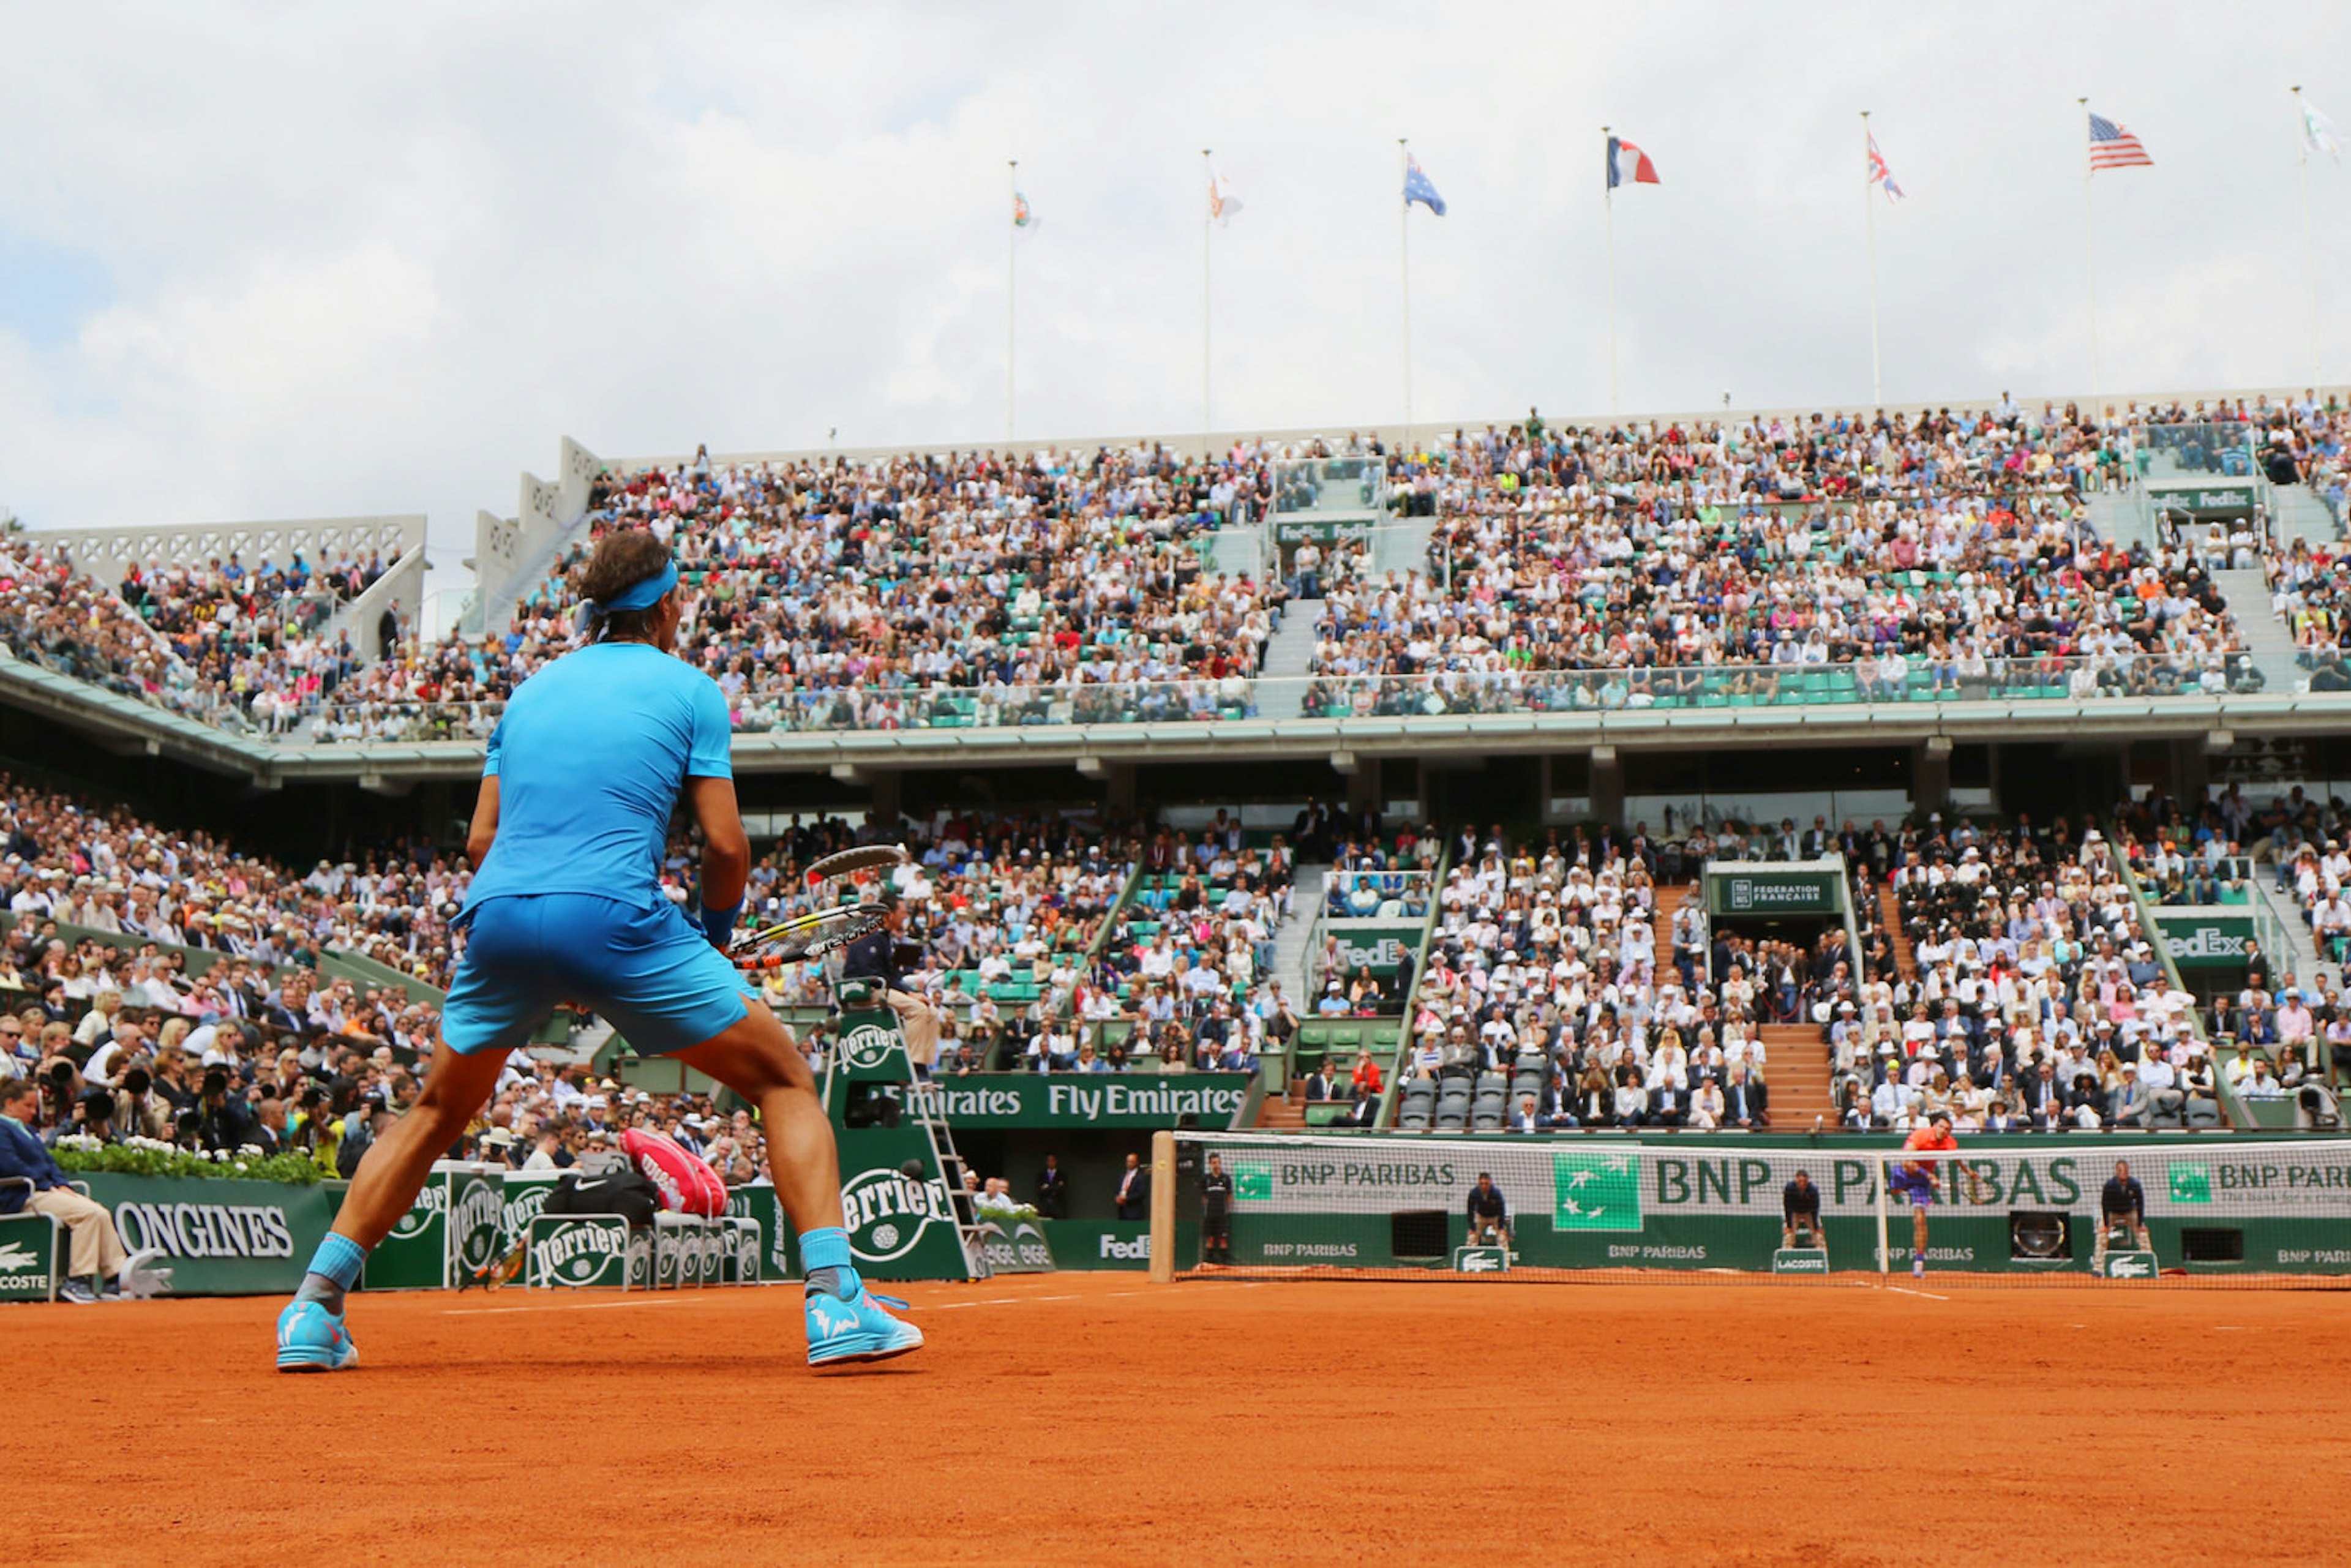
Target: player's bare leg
[
  {"x": 1918, "y": 1242},
  {"x": 758, "y": 1059},
  {"x": 393, "y": 1172},
  {"x": 310, "y": 1333}
]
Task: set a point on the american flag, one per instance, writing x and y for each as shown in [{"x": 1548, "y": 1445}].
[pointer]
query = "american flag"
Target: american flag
[{"x": 2111, "y": 147}]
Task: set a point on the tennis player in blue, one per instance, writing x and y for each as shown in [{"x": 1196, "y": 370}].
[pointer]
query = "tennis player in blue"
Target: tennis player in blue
[{"x": 567, "y": 836}]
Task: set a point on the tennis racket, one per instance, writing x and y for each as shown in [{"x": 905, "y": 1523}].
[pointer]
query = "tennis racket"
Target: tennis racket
[
  {"x": 849, "y": 863},
  {"x": 806, "y": 937}
]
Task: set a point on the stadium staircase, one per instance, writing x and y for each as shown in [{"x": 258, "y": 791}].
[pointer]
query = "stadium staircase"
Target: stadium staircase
[
  {"x": 2297, "y": 513},
  {"x": 1295, "y": 935},
  {"x": 2123, "y": 516},
  {"x": 1291, "y": 941},
  {"x": 2268, "y": 643},
  {"x": 2301, "y": 956},
  {"x": 1289, "y": 659},
  {"x": 1889, "y": 920},
  {"x": 1799, "y": 1077}
]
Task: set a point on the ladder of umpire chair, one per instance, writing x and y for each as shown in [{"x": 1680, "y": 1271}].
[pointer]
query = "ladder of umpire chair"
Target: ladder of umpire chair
[{"x": 951, "y": 1171}]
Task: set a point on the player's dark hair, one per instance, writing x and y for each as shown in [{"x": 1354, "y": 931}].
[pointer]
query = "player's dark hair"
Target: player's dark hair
[{"x": 622, "y": 559}]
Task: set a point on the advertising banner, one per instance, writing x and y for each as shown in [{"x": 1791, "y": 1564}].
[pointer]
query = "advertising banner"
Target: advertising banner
[
  {"x": 456, "y": 1227},
  {"x": 1378, "y": 945},
  {"x": 2206, "y": 941},
  {"x": 1013, "y": 1244},
  {"x": 1763, "y": 891},
  {"x": 1112, "y": 1100},
  {"x": 2249, "y": 1206},
  {"x": 32, "y": 1257},
  {"x": 219, "y": 1237}
]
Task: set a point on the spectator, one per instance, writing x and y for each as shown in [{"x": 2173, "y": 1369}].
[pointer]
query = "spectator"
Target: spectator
[{"x": 97, "y": 1252}]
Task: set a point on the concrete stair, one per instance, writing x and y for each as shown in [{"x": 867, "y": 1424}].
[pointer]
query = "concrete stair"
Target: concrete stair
[
  {"x": 2268, "y": 643},
  {"x": 1799, "y": 1076},
  {"x": 1889, "y": 920},
  {"x": 2123, "y": 516},
  {"x": 1289, "y": 659},
  {"x": 2297, "y": 513},
  {"x": 2300, "y": 961},
  {"x": 1291, "y": 937}
]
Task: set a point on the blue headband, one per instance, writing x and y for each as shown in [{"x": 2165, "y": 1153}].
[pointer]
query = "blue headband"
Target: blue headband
[{"x": 642, "y": 595}]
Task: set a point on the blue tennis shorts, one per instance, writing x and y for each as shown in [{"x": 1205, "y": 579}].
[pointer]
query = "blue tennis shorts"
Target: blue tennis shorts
[{"x": 656, "y": 978}]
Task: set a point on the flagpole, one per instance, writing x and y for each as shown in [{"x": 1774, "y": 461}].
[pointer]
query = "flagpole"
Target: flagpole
[
  {"x": 1011, "y": 292},
  {"x": 1608, "y": 208},
  {"x": 1207, "y": 221},
  {"x": 1404, "y": 171},
  {"x": 2090, "y": 256},
  {"x": 1869, "y": 206},
  {"x": 2309, "y": 246}
]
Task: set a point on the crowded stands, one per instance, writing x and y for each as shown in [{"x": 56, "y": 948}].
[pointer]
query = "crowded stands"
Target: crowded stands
[
  {"x": 1924, "y": 555},
  {"x": 1558, "y": 992},
  {"x": 221, "y": 640},
  {"x": 2034, "y": 999},
  {"x": 1185, "y": 979}
]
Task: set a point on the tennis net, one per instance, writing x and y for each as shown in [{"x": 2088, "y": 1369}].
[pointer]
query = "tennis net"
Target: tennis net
[{"x": 2206, "y": 1209}]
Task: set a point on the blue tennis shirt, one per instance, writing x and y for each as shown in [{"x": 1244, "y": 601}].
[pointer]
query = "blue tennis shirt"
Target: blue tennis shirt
[{"x": 588, "y": 759}]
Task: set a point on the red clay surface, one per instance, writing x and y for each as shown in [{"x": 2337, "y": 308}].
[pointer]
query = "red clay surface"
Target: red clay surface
[{"x": 1093, "y": 1418}]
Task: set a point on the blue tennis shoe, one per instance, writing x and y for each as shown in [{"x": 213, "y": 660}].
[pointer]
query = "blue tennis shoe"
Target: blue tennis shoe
[
  {"x": 857, "y": 1330},
  {"x": 312, "y": 1339}
]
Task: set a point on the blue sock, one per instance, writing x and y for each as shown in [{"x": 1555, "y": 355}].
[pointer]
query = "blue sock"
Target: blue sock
[
  {"x": 825, "y": 1264},
  {"x": 334, "y": 1269}
]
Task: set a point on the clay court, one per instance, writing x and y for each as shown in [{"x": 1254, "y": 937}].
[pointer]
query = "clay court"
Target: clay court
[{"x": 1095, "y": 1419}]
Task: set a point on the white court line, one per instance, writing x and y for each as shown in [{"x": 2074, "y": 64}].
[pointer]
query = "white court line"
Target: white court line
[
  {"x": 933, "y": 1307},
  {"x": 1906, "y": 1290},
  {"x": 566, "y": 1307}
]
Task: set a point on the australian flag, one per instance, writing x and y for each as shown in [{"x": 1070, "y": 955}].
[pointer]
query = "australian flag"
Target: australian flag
[{"x": 1416, "y": 187}]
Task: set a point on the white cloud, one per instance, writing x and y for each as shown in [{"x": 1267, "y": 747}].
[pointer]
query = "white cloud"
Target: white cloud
[{"x": 381, "y": 263}]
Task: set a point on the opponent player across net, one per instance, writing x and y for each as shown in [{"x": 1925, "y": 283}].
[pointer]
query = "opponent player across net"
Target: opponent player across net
[
  {"x": 581, "y": 780},
  {"x": 1919, "y": 1182}
]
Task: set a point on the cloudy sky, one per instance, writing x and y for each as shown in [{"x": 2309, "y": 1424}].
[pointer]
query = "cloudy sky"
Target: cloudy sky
[{"x": 281, "y": 261}]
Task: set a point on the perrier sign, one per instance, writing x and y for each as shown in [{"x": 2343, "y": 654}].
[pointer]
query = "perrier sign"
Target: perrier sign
[{"x": 1598, "y": 1191}]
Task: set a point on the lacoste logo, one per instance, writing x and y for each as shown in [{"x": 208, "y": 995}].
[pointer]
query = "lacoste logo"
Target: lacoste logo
[{"x": 15, "y": 1259}]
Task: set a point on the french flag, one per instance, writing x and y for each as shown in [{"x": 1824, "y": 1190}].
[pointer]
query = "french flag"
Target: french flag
[{"x": 1628, "y": 165}]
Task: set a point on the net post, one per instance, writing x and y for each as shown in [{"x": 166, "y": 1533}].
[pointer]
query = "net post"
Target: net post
[
  {"x": 1163, "y": 1208},
  {"x": 1885, "y": 1257}
]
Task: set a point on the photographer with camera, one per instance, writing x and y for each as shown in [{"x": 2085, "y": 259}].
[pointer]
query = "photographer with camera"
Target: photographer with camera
[
  {"x": 139, "y": 1111},
  {"x": 97, "y": 1250},
  {"x": 221, "y": 1119}
]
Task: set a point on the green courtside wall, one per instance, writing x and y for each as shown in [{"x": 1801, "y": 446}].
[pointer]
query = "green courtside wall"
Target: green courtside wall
[{"x": 1697, "y": 1202}]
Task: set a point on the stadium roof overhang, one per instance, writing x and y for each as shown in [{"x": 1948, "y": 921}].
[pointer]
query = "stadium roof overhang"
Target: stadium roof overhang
[{"x": 123, "y": 724}]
